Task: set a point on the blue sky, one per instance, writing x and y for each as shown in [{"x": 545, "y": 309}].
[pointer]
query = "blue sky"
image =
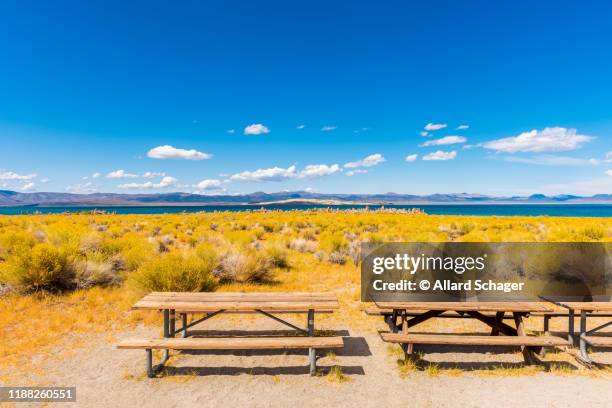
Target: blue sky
[{"x": 96, "y": 95}]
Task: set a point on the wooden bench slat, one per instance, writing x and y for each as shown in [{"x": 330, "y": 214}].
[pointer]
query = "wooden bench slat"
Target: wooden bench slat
[
  {"x": 452, "y": 339},
  {"x": 599, "y": 341},
  {"x": 376, "y": 311},
  {"x": 232, "y": 343},
  {"x": 592, "y": 306},
  {"x": 523, "y": 307},
  {"x": 236, "y": 305}
]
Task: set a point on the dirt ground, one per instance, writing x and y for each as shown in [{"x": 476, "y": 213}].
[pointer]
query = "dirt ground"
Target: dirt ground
[{"x": 371, "y": 376}]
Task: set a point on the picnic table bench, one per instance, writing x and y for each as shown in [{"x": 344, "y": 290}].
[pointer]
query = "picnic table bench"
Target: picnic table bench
[
  {"x": 213, "y": 304},
  {"x": 492, "y": 314},
  {"x": 588, "y": 309}
]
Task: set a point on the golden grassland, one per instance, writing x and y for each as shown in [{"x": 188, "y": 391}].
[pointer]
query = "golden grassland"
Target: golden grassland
[{"x": 65, "y": 276}]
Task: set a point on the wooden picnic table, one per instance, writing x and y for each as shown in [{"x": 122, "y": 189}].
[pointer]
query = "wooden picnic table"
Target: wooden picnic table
[
  {"x": 585, "y": 337},
  {"x": 481, "y": 311},
  {"x": 212, "y": 304}
]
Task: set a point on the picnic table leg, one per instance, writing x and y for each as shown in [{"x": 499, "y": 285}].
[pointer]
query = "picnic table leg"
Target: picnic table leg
[
  {"x": 583, "y": 345},
  {"x": 520, "y": 331},
  {"x": 311, "y": 351},
  {"x": 499, "y": 317},
  {"x": 150, "y": 372},
  {"x": 184, "y": 323},
  {"x": 546, "y": 330},
  {"x": 166, "y": 331},
  {"x": 408, "y": 348},
  {"x": 570, "y": 327},
  {"x": 172, "y": 322}
]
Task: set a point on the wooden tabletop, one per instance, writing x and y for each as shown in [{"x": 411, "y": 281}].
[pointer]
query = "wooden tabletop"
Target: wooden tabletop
[
  {"x": 238, "y": 301},
  {"x": 589, "y": 306},
  {"x": 524, "y": 307}
]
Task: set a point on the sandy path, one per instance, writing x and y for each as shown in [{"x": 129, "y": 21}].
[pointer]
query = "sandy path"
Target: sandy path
[{"x": 106, "y": 377}]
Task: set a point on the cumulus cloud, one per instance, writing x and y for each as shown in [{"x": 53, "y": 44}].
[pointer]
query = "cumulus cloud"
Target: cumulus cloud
[
  {"x": 609, "y": 173},
  {"x": 170, "y": 152},
  {"x": 411, "y": 157},
  {"x": 167, "y": 181},
  {"x": 329, "y": 128},
  {"x": 120, "y": 174},
  {"x": 210, "y": 184},
  {"x": 371, "y": 160},
  {"x": 435, "y": 126},
  {"x": 424, "y": 133},
  {"x": 10, "y": 175},
  {"x": 28, "y": 186},
  {"x": 447, "y": 140},
  {"x": 462, "y": 127},
  {"x": 256, "y": 129},
  {"x": 44, "y": 180},
  {"x": 356, "y": 171},
  {"x": 441, "y": 155},
  {"x": 319, "y": 170},
  {"x": 553, "y": 139},
  {"x": 96, "y": 175},
  {"x": 85, "y": 188},
  {"x": 300, "y": 126},
  {"x": 269, "y": 174},
  {"x": 153, "y": 174},
  {"x": 291, "y": 172}
]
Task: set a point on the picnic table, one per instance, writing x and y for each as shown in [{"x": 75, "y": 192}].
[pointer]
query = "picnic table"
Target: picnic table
[
  {"x": 212, "y": 304},
  {"x": 482, "y": 311},
  {"x": 587, "y": 309}
]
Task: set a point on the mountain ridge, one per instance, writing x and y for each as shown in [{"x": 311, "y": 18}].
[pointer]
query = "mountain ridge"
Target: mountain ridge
[{"x": 14, "y": 198}]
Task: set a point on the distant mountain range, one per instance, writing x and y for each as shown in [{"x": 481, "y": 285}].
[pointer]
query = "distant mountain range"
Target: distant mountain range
[{"x": 13, "y": 198}]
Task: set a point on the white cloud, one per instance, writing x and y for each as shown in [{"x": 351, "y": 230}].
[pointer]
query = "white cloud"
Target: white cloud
[
  {"x": 28, "y": 186},
  {"x": 371, "y": 160},
  {"x": 96, "y": 175},
  {"x": 170, "y": 152},
  {"x": 210, "y": 184},
  {"x": 319, "y": 170},
  {"x": 270, "y": 174},
  {"x": 609, "y": 173},
  {"x": 10, "y": 175},
  {"x": 85, "y": 188},
  {"x": 608, "y": 157},
  {"x": 552, "y": 160},
  {"x": 447, "y": 140},
  {"x": 44, "y": 180},
  {"x": 167, "y": 181},
  {"x": 120, "y": 174},
  {"x": 153, "y": 174},
  {"x": 291, "y": 172},
  {"x": 441, "y": 155},
  {"x": 462, "y": 127},
  {"x": 356, "y": 171},
  {"x": 329, "y": 128},
  {"x": 231, "y": 131},
  {"x": 553, "y": 139},
  {"x": 300, "y": 126},
  {"x": 424, "y": 133},
  {"x": 411, "y": 157},
  {"x": 256, "y": 129},
  {"x": 84, "y": 177},
  {"x": 435, "y": 126}
]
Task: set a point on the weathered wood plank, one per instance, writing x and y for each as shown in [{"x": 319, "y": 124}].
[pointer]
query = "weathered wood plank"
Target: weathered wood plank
[
  {"x": 181, "y": 306},
  {"x": 232, "y": 343},
  {"x": 524, "y": 307},
  {"x": 589, "y": 306},
  {"x": 471, "y": 340}
]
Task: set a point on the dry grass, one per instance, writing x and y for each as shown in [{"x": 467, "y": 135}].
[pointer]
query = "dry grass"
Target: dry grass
[{"x": 286, "y": 251}]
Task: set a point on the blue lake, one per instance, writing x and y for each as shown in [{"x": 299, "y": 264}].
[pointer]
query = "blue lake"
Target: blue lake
[{"x": 556, "y": 210}]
